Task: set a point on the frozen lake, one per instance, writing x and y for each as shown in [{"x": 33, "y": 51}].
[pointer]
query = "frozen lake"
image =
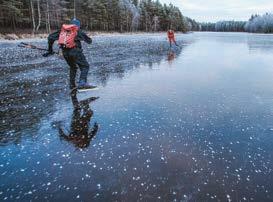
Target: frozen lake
[{"x": 192, "y": 124}]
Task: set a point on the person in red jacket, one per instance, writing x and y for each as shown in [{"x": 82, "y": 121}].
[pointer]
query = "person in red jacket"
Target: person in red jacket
[{"x": 171, "y": 37}]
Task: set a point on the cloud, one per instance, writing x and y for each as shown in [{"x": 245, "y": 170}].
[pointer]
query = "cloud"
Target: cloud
[{"x": 215, "y": 10}]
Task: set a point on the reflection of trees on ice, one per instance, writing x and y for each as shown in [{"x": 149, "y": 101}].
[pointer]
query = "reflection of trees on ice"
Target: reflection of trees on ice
[{"x": 258, "y": 43}]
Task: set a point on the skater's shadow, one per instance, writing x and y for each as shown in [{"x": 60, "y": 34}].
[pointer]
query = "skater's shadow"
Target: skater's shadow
[{"x": 80, "y": 134}]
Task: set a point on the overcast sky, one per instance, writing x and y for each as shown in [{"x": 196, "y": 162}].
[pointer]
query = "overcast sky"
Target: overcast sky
[{"x": 215, "y": 10}]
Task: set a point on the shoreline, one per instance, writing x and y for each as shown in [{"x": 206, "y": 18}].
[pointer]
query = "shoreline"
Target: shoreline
[
  {"x": 12, "y": 37},
  {"x": 19, "y": 37}
]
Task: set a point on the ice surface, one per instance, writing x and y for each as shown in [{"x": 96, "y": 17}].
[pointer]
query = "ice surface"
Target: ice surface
[{"x": 197, "y": 127}]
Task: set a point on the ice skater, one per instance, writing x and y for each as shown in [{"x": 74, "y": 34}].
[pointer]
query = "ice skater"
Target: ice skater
[
  {"x": 69, "y": 39},
  {"x": 171, "y": 37}
]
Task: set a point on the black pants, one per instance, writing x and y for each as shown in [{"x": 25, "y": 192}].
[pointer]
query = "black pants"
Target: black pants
[{"x": 76, "y": 59}]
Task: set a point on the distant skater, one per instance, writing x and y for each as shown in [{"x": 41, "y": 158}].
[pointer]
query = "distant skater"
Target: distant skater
[
  {"x": 171, "y": 37},
  {"x": 69, "y": 39}
]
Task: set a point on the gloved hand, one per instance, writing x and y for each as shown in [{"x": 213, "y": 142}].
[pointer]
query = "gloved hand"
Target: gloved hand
[{"x": 48, "y": 54}]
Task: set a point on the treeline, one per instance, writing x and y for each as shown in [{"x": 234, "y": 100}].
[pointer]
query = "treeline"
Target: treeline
[
  {"x": 230, "y": 26},
  {"x": 192, "y": 25},
  {"x": 256, "y": 24},
  {"x": 224, "y": 26},
  {"x": 260, "y": 24},
  {"x": 96, "y": 15}
]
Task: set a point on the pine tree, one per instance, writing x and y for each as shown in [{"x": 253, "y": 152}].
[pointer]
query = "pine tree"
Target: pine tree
[{"x": 12, "y": 11}]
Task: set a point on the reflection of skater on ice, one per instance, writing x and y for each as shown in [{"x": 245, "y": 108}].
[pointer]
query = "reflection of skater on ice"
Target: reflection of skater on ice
[
  {"x": 79, "y": 134},
  {"x": 171, "y": 56}
]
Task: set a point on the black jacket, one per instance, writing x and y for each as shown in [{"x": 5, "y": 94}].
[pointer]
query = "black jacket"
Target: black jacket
[{"x": 80, "y": 37}]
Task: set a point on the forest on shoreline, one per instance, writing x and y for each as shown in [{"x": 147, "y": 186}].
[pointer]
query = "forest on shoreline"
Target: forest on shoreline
[
  {"x": 256, "y": 24},
  {"x": 43, "y": 16}
]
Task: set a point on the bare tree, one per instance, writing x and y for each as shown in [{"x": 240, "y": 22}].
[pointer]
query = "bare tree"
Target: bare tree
[
  {"x": 48, "y": 19},
  {"x": 39, "y": 15},
  {"x": 156, "y": 23},
  {"x": 32, "y": 16}
]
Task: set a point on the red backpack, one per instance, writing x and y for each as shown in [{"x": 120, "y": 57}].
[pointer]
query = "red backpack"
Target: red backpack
[{"x": 67, "y": 36}]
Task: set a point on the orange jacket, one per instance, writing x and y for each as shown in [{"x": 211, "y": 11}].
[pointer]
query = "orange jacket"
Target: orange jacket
[{"x": 170, "y": 34}]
